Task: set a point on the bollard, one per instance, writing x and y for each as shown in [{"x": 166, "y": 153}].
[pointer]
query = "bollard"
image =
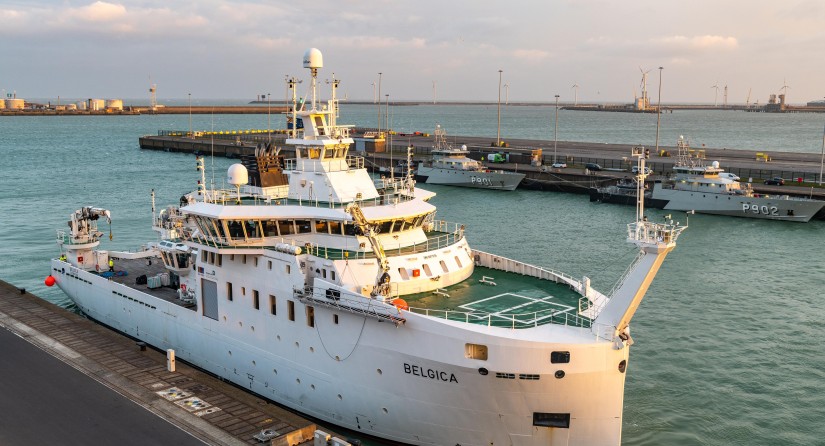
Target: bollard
[{"x": 170, "y": 360}]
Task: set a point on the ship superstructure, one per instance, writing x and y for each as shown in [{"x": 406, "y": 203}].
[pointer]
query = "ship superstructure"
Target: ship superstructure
[{"x": 345, "y": 298}]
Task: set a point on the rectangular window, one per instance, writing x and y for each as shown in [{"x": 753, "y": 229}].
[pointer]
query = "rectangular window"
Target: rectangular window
[
  {"x": 310, "y": 316},
  {"x": 321, "y": 227},
  {"x": 332, "y": 275},
  {"x": 219, "y": 260},
  {"x": 335, "y": 319},
  {"x": 404, "y": 274},
  {"x": 457, "y": 262},
  {"x": 269, "y": 264},
  {"x": 229, "y": 291},
  {"x": 204, "y": 255},
  {"x": 243, "y": 259},
  {"x": 256, "y": 261},
  {"x": 212, "y": 258},
  {"x": 426, "y": 268},
  {"x": 255, "y": 300},
  {"x": 335, "y": 227},
  {"x": 285, "y": 227},
  {"x": 443, "y": 266},
  {"x": 303, "y": 226},
  {"x": 324, "y": 273},
  {"x": 475, "y": 351},
  {"x": 290, "y": 308},
  {"x": 272, "y": 308},
  {"x": 243, "y": 291},
  {"x": 551, "y": 419},
  {"x": 560, "y": 357},
  {"x": 288, "y": 269}
]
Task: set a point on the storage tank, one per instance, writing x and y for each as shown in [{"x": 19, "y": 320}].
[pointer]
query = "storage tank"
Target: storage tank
[
  {"x": 97, "y": 104},
  {"x": 71, "y": 107},
  {"x": 15, "y": 104},
  {"x": 81, "y": 105},
  {"x": 2, "y": 104},
  {"x": 114, "y": 104}
]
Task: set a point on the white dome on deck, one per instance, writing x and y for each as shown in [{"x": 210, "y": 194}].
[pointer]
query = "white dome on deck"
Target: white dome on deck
[
  {"x": 237, "y": 175},
  {"x": 313, "y": 58}
]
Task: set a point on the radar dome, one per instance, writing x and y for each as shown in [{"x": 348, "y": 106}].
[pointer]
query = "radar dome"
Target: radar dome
[
  {"x": 715, "y": 164},
  {"x": 313, "y": 58},
  {"x": 464, "y": 147},
  {"x": 237, "y": 175}
]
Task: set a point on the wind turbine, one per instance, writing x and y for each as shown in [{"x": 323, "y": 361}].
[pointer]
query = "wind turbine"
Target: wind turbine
[
  {"x": 576, "y": 96},
  {"x": 716, "y": 94},
  {"x": 725, "y": 96},
  {"x": 506, "y": 93},
  {"x": 644, "y": 86},
  {"x": 785, "y": 87}
]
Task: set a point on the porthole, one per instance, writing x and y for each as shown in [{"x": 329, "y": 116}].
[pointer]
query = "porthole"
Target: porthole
[
  {"x": 254, "y": 363},
  {"x": 312, "y": 386},
  {"x": 385, "y": 410},
  {"x": 559, "y": 374},
  {"x": 297, "y": 344},
  {"x": 312, "y": 349},
  {"x": 275, "y": 371},
  {"x": 340, "y": 397},
  {"x": 230, "y": 352},
  {"x": 379, "y": 372},
  {"x": 298, "y": 380},
  {"x": 278, "y": 337},
  {"x": 623, "y": 366}
]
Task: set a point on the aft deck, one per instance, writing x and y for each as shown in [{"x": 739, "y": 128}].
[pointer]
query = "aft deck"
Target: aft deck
[{"x": 503, "y": 299}]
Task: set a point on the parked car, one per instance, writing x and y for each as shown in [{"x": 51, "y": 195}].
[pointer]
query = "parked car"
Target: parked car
[
  {"x": 559, "y": 165},
  {"x": 635, "y": 169},
  {"x": 776, "y": 181},
  {"x": 592, "y": 166}
]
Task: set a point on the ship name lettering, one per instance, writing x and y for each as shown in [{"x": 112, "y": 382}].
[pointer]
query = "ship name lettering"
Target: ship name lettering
[
  {"x": 481, "y": 180},
  {"x": 757, "y": 209},
  {"x": 429, "y": 373}
]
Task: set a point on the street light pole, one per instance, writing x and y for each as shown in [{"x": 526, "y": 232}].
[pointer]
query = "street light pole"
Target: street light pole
[
  {"x": 659, "y": 109},
  {"x": 268, "y": 118},
  {"x": 379, "y": 103},
  {"x": 190, "y": 114},
  {"x": 498, "y": 132},
  {"x": 822, "y": 162},
  {"x": 556, "y": 131}
]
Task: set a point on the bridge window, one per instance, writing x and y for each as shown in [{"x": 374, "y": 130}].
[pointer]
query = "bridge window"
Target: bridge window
[
  {"x": 285, "y": 227},
  {"x": 321, "y": 227},
  {"x": 290, "y": 308},
  {"x": 560, "y": 357},
  {"x": 229, "y": 291},
  {"x": 304, "y": 226},
  {"x": 270, "y": 228},
  {"x": 335, "y": 227},
  {"x": 273, "y": 309}
]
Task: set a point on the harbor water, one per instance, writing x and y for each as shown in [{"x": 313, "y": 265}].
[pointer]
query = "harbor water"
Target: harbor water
[{"x": 726, "y": 342}]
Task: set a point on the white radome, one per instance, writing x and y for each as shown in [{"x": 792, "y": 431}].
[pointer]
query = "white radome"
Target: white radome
[
  {"x": 313, "y": 58},
  {"x": 237, "y": 175}
]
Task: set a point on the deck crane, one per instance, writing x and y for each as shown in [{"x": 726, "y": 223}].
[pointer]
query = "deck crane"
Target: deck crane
[{"x": 382, "y": 285}]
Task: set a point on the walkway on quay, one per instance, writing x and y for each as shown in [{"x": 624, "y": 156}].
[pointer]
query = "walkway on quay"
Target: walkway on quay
[{"x": 70, "y": 381}]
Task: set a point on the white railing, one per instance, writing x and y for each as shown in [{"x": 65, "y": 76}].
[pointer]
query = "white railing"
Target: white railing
[
  {"x": 653, "y": 233},
  {"x": 512, "y": 321},
  {"x": 493, "y": 261}
]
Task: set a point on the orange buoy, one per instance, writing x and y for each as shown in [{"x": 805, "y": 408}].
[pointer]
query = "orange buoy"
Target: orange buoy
[
  {"x": 401, "y": 304},
  {"x": 50, "y": 281}
]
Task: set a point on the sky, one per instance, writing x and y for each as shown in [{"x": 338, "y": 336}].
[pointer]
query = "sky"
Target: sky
[{"x": 240, "y": 49}]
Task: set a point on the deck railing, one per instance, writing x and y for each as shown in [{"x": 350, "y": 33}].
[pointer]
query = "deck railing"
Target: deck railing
[
  {"x": 513, "y": 321},
  {"x": 452, "y": 233}
]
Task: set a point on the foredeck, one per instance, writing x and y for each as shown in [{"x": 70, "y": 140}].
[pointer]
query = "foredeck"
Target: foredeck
[
  {"x": 502, "y": 299},
  {"x": 135, "y": 268}
]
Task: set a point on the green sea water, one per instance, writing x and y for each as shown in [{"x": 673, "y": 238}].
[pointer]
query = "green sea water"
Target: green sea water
[{"x": 727, "y": 345}]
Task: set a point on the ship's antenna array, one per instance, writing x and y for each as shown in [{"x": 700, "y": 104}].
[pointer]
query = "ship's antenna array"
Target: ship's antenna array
[{"x": 639, "y": 153}]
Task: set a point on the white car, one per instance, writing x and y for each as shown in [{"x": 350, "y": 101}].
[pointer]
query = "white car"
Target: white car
[{"x": 559, "y": 165}]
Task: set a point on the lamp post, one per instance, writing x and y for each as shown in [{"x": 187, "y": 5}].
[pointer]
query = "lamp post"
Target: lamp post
[
  {"x": 379, "y": 103},
  {"x": 556, "y": 131},
  {"x": 659, "y": 109},
  {"x": 268, "y": 118},
  {"x": 190, "y": 114},
  {"x": 435, "y": 92},
  {"x": 498, "y": 132},
  {"x": 822, "y": 161},
  {"x": 374, "y": 97},
  {"x": 507, "y": 93}
]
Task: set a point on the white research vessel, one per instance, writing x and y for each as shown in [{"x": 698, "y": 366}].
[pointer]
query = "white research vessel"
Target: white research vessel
[
  {"x": 453, "y": 167},
  {"x": 698, "y": 187},
  {"x": 353, "y": 304}
]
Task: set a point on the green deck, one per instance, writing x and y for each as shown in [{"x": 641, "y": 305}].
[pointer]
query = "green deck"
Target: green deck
[{"x": 515, "y": 301}]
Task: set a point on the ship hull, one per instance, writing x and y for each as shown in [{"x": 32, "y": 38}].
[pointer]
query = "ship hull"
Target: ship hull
[
  {"x": 465, "y": 178},
  {"x": 411, "y": 383},
  {"x": 762, "y": 207}
]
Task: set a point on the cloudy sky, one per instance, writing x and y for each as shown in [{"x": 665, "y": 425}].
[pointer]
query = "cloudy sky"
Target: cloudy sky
[{"x": 238, "y": 49}]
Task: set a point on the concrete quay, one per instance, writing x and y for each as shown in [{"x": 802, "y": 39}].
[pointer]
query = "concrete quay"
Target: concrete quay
[
  {"x": 70, "y": 381},
  {"x": 614, "y": 158}
]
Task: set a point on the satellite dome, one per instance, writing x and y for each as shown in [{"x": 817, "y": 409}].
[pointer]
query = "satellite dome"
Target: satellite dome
[
  {"x": 464, "y": 147},
  {"x": 715, "y": 164},
  {"x": 313, "y": 58},
  {"x": 237, "y": 175}
]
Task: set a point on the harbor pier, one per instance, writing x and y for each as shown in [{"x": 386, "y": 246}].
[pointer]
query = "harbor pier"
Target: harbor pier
[
  {"x": 801, "y": 170},
  {"x": 55, "y": 359}
]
